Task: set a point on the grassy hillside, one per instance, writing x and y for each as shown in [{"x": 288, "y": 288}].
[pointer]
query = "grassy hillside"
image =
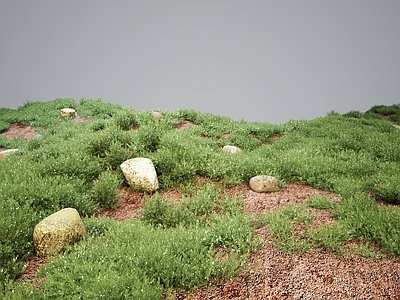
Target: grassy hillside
[{"x": 76, "y": 164}]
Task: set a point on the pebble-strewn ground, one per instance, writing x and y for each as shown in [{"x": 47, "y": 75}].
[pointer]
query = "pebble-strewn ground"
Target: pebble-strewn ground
[{"x": 319, "y": 275}]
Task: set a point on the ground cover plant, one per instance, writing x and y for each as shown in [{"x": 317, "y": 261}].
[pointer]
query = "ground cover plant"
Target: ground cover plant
[{"x": 205, "y": 235}]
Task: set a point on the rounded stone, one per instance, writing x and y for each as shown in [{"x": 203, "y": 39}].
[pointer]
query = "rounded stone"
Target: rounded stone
[
  {"x": 54, "y": 232},
  {"x": 231, "y": 149},
  {"x": 140, "y": 174},
  {"x": 157, "y": 115},
  {"x": 264, "y": 184}
]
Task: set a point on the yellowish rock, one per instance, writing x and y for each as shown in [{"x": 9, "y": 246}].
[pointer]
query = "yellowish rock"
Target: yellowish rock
[
  {"x": 264, "y": 184},
  {"x": 68, "y": 112},
  {"x": 58, "y": 230}
]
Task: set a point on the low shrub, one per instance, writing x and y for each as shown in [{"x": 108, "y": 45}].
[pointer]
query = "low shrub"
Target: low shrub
[
  {"x": 16, "y": 242},
  {"x": 329, "y": 237},
  {"x": 105, "y": 189},
  {"x": 161, "y": 213},
  {"x": 125, "y": 119},
  {"x": 321, "y": 202}
]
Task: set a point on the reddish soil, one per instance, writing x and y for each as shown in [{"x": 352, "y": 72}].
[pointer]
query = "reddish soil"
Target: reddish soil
[
  {"x": 19, "y": 130},
  {"x": 272, "y": 274},
  {"x": 184, "y": 124}
]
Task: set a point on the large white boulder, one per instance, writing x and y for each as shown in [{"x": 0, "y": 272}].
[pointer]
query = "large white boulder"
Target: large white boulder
[
  {"x": 140, "y": 174},
  {"x": 264, "y": 184},
  {"x": 58, "y": 230}
]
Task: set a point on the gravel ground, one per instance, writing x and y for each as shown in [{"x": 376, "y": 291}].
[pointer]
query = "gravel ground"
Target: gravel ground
[{"x": 319, "y": 275}]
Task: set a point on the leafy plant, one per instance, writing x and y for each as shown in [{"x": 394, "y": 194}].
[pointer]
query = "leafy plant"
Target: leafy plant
[
  {"x": 329, "y": 237},
  {"x": 16, "y": 242},
  {"x": 125, "y": 119},
  {"x": 105, "y": 189},
  {"x": 321, "y": 202}
]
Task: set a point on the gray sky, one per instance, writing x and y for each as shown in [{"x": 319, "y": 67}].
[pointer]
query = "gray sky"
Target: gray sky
[{"x": 267, "y": 61}]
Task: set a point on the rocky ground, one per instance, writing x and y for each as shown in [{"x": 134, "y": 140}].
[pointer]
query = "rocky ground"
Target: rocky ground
[{"x": 273, "y": 274}]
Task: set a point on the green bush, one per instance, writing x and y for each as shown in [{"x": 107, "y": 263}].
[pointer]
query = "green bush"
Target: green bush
[
  {"x": 179, "y": 158},
  {"x": 385, "y": 109},
  {"x": 16, "y": 243},
  {"x": 149, "y": 137},
  {"x": 126, "y": 119},
  {"x": 321, "y": 202},
  {"x": 281, "y": 224},
  {"x": 364, "y": 219},
  {"x": 99, "y": 144},
  {"x": 131, "y": 257},
  {"x": 97, "y": 227},
  {"x": 161, "y": 213},
  {"x": 385, "y": 186},
  {"x": 329, "y": 237},
  {"x": 203, "y": 202},
  {"x": 353, "y": 114},
  {"x": 105, "y": 189},
  {"x": 115, "y": 156},
  {"x": 98, "y": 109}
]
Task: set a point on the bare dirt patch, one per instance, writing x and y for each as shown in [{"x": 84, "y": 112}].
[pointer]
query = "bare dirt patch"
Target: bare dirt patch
[
  {"x": 184, "y": 124},
  {"x": 79, "y": 119},
  {"x": 20, "y": 130},
  {"x": 31, "y": 269},
  {"x": 127, "y": 206},
  {"x": 274, "y": 274}
]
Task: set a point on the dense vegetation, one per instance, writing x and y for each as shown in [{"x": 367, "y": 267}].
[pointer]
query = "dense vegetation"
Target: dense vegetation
[{"x": 206, "y": 236}]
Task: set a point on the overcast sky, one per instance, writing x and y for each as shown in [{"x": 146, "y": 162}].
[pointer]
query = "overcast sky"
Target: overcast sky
[{"x": 267, "y": 61}]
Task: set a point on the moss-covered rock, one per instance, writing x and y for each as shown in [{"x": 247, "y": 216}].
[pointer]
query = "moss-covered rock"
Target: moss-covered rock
[{"x": 53, "y": 233}]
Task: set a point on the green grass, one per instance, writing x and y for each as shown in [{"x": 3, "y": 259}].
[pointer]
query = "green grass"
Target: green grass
[{"x": 206, "y": 235}]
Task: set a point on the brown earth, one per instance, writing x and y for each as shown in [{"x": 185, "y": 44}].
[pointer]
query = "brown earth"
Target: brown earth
[
  {"x": 272, "y": 274},
  {"x": 19, "y": 130}
]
